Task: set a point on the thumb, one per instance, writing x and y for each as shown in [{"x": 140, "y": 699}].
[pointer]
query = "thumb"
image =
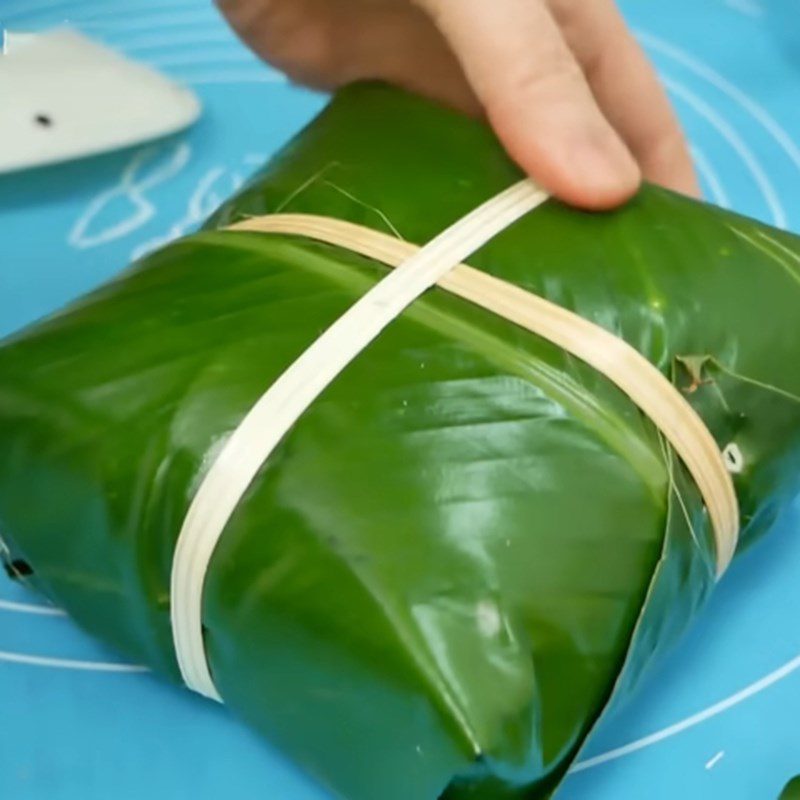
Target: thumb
[{"x": 538, "y": 99}]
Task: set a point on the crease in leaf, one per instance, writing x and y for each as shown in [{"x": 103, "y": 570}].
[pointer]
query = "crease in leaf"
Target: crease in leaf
[
  {"x": 608, "y": 426},
  {"x": 768, "y": 247}
]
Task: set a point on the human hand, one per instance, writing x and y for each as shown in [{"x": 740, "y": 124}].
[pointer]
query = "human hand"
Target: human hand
[{"x": 563, "y": 82}]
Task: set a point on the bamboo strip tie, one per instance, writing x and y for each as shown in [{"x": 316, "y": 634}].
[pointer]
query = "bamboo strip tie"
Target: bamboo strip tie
[{"x": 415, "y": 270}]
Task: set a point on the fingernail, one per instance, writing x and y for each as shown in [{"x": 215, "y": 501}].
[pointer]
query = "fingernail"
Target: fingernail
[{"x": 603, "y": 172}]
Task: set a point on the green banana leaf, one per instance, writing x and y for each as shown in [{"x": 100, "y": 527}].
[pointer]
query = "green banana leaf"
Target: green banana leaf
[
  {"x": 792, "y": 790},
  {"x": 472, "y": 544}
]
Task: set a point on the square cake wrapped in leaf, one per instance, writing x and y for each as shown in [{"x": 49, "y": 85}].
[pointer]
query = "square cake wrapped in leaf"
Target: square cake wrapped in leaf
[{"x": 476, "y": 537}]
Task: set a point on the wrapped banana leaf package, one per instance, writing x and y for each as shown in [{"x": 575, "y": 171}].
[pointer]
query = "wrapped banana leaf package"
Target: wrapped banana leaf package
[{"x": 421, "y": 529}]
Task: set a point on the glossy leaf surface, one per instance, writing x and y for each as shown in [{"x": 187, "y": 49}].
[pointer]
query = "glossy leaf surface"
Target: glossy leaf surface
[{"x": 472, "y": 540}]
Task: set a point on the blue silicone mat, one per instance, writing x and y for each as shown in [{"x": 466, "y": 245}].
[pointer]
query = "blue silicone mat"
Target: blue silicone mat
[{"x": 720, "y": 719}]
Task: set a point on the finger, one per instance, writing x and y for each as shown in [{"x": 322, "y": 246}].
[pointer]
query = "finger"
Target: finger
[
  {"x": 306, "y": 39},
  {"x": 398, "y": 43},
  {"x": 537, "y": 98},
  {"x": 628, "y": 90},
  {"x": 324, "y": 44}
]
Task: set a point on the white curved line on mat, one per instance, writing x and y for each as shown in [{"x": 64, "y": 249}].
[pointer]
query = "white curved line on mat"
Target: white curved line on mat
[
  {"x": 66, "y": 7},
  {"x": 214, "y": 60},
  {"x": 132, "y": 187},
  {"x": 24, "y": 10},
  {"x": 747, "y": 7},
  {"x": 727, "y": 131},
  {"x": 261, "y": 76},
  {"x": 66, "y": 663},
  {"x": 154, "y": 5},
  {"x": 137, "y": 44},
  {"x": 31, "y": 608},
  {"x": 696, "y": 719},
  {"x": 707, "y": 171},
  {"x": 755, "y": 109},
  {"x": 177, "y": 19},
  {"x": 33, "y": 9}
]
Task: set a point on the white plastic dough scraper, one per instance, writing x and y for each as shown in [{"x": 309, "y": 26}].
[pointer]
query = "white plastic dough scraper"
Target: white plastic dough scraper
[{"x": 63, "y": 96}]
